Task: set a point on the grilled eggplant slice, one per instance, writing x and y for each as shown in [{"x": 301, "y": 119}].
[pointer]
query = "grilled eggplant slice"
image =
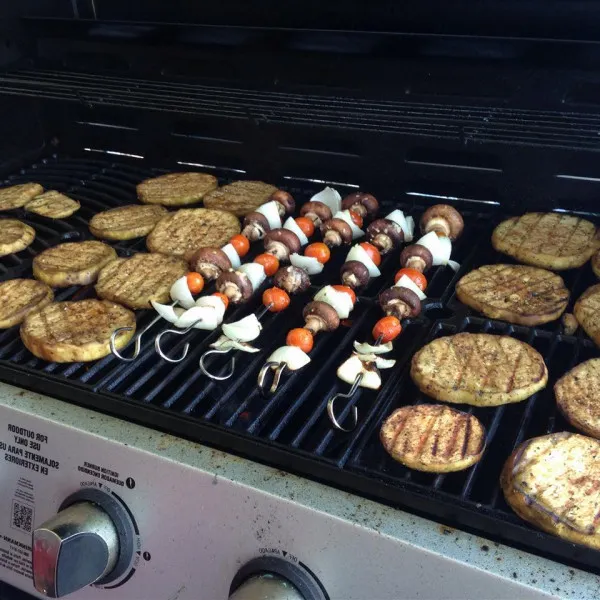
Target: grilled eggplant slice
[
  {"x": 552, "y": 481},
  {"x": 135, "y": 281},
  {"x": 14, "y": 236},
  {"x": 587, "y": 312},
  {"x": 240, "y": 197},
  {"x": 478, "y": 369},
  {"x": 76, "y": 331},
  {"x": 176, "y": 189},
  {"x": 18, "y": 297},
  {"x": 548, "y": 240},
  {"x": 126, "y": 222},
  {"x": 514, "y": 293},
  {"x": 433, "y": 438},
  {"x": 73, "y": 263},
  {"x": 16, "y": 196},
  {"x": 53, "y": 205}
]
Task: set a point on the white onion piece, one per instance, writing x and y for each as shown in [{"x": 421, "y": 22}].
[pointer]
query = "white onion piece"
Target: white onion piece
[
  {"x": 244, "y": 330},
  {"x": 232, "y": 255},
  {"x": 454, "y": 265},
  {"x": 255, "y": 273},
  {"x": 411, "y": 226},
  {"x": 357, "y": 232},
  {"x": 224, "y": 343},
  {"x": 330, "y": 197},
  {"x": 349, "y": 370},
  {"x": 407, "y": 282},
  {"x": 213, "y": 302},
  {"x": 440, "y": 247},
  {"x": 397, "y": 216},
  {"x": 365, "y": 348},
  {"x": 338, "y": 300},
  {"x": 307, "y": 263},
  {"x": 359, "y": 253},
  {"x": 180, "y": 292},
  {"x": 271, "y": 212},
  {"x": 292, "y": 356},
  {"x": 291, "y": 224},
  {"x": 384, "y": 363},
  {"x": 167, "y": 312},
  {"x": 201, "y": 317}
]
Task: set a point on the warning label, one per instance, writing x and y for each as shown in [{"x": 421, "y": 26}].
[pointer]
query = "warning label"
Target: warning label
[
  {"x": 15, "y": 556},
  {"x": 24, "y": 448},
  {"x": 101, "y": 473}
]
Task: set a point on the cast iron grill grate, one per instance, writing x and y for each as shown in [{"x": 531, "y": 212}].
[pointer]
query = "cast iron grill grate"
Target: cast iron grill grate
[{"x": 291, "y": 429}]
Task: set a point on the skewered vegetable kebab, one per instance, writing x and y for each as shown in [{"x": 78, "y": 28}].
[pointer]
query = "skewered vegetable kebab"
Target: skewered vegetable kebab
[
  {"x": 335, "y": 302},
  {"x": 401, "y": 301}
]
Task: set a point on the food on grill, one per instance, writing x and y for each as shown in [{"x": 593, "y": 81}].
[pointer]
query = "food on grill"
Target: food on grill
[
  {"x": 569, "y": 323},
  {"x": 552, "y": 482},
  {"x": 478, "y": 369},
  {"x": 76, "y": 331},
  {"x": 433, "y": 438},
  {"x": 256, "y": 225},
  {"x": 16, "y": 196},
  {"x": 14, "y": 236},
  {"x": 444, "y": 220},
  {"x": 18, "y": 297},
  {"x": 548, "y": 240},
  {"x": 286, "y": 204},
  {"x": 364, "y": 204},
  {"x": 400, "y": 302},
  {"x": 578, "y": 396},
  {"x": 293, "y": 280},
  {"x": 281, "y": 243},
  {"x": 587, "y": 312},
  {"x": 596, "y": 264},
  {"x": 53, "y": 204},
  {"x": 514, "y": 293},
  {"x": 181, "y": 233},
  {"x": 336, "y": 232},
  {"x": 236, "y": 285},
  {"x": 416, "y": 257},
  {"x": 136, "y": 281},
  {"x": 385, "y": 235},
  {"x": 73, "y": 263},
  {"x": 210, "y": 262},
  {"x": 354, "y": 274},
  {"x": 316, "y": 211},
  {"x": 176, "y": 189},
  {"x": 126, "y": 222},
  {"x": 240, "y": 197},
  {"x": 320, "y": 316}
]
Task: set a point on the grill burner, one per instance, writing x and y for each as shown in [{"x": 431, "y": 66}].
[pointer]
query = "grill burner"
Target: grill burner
[{"x": 291, "y": 429}]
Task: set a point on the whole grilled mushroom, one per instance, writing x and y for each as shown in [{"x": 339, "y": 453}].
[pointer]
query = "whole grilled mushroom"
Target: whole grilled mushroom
[
  {"x": 362, "y": 203},
  {"x": 444, "y": 219},
  {"x": 320, "y": 316},
  {"x": 385, "y": 235},
  {"x": 285, "y": 202},
  {"x": 416, "y": 257},
  {"x": 317, "y": 212},
  {"x": 282, "y": 243},
  {"x": 400, "y": 302},
  {"x": 209, "y": 262},
  {"x": 336, "y": 232},
  {"x": 256, "y": 225},
  {"x": 292, "y": 279},
  {"x": 235, "y": 285},
  {"x": 354, "y": 274}
]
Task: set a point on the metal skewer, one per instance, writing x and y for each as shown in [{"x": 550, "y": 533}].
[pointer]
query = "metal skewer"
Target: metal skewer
[
  {"x": 278, "y": 369},
  {"x": 186, "y": 348}
]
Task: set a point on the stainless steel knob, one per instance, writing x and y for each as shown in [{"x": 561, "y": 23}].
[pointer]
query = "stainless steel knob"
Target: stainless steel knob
[
  {"x": 77, "y": 547},
  {"x": 266, "y": 587}
]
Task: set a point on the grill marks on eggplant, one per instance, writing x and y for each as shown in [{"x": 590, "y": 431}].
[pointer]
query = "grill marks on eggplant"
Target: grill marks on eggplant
[
  {"x": 126, "y": 222},
  {"x": 587, "y": 312},
  {"x": 18, "y": 297},
  {"x": 14, "y": 236}
]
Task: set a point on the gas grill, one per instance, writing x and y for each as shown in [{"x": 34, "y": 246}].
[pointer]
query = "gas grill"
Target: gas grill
[{"x": 99, "y": 96}]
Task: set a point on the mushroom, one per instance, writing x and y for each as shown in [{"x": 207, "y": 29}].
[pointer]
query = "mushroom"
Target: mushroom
[
  {"x": 285, "y": 202},
  {"x": 292, "y": 279},
  {"x": 416, "y": 257},
  {"x": 354, "y": 274},
  {"x": 362, "y": 203},
  {"x": 256, "y": 226},
  {"x": 444, "y": 219},
  {"x": 320, "y": 316},
  {"x": 281, "y": 243},
  {"x": 336, "y": 232},
  {"x": 210, "y": 262},
  {"x": 400, "y": 302},
  {"x": 235, "y": 285},
  {"x": 385, "y": 235},
  {"x": 317, "y": 212}
]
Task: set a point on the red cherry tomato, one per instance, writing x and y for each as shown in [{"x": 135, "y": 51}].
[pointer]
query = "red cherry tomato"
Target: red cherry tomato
[
  {"x": 302, "y": 338},
  {"x": 195, "y": 282},
  {"x": 307, "y": 226},
  {"x": 372, "y": 252},
  {"x": 318, "y": 250},
  {"x": 419, "y": 279},
  {"x": 276, "y": 299},
  {"x": 356, "y": 218},
  {"x": 269, "y": 263},
  {"x": 346, "y": 290},
  {"x": 241, "y": 244},
  {"x": 223, "y": 298},
  {"x": 387, "y": 329}
]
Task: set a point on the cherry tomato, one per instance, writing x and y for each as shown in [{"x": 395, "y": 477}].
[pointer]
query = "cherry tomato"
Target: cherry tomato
[
  {"x": 418, "y": 277},
  {"x": 372, "y": 252},
  {"x": 195, "y": 282},
  {"x": 346, "y": 290},
  {"x": 276, "y": 299},
  {"x": 387, "y": 329},
  {"x": 356, "y": 218},
  {"x": 241, "y": 244},
  {"x": 269, "y": 263},
  {"x": 307, "y": 226},
  {"x": 319, "y": 251},
  {"x": 300, "y": 337},
  {"x": 223, "y": 297}
]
